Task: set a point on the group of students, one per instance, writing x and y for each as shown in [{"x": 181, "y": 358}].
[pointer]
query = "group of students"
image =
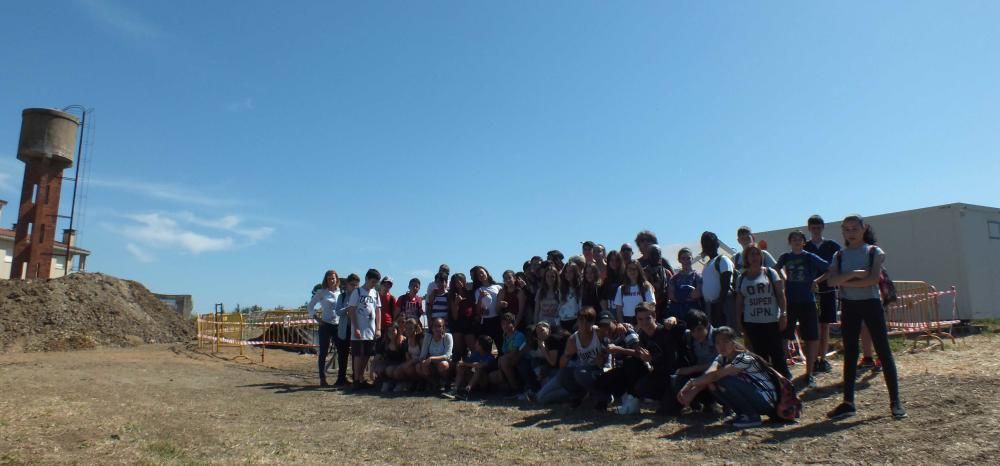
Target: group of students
[{"x": 608, "y": 328}]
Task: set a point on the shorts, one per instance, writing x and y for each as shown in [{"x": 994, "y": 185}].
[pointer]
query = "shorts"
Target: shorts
[
  {"x": 362, "y": 348},
  {"x": 806, "y": 315},
  {"x": 828, "y": 307}
]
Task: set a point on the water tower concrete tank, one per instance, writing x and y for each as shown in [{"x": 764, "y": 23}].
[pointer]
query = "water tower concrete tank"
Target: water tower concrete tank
[
  {"x": 47, "y": 146},
  {"x": 47, "y": 134}
]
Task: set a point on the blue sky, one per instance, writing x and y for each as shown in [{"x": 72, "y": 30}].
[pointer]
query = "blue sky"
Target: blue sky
[{"x": 242, "y": 148}]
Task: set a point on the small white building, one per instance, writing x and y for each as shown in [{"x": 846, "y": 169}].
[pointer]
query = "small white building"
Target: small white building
[
  {"x": 949, "y": 245},
  {"x": 59, "y": 268}
]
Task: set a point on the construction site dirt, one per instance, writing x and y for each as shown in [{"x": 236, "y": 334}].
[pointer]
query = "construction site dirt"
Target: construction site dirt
[
  {"x": 84, "y": 311},
  {"x": 175, "y": 404}
]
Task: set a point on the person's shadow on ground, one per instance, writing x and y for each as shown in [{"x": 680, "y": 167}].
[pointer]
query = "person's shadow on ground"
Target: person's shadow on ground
[{"x": 280, "y": 388}]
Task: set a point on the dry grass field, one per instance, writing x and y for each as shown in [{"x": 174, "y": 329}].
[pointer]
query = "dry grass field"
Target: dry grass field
[{"x": 173, "y": 404}]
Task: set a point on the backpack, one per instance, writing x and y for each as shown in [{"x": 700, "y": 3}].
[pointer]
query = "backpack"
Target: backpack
[
  {"x": 788, "y": 407},
  {"x": 733, "y": 277},
  {"x": 886, "y": 287}
]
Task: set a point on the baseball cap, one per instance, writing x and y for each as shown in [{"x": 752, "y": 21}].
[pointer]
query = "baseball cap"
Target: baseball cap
[
  {"x": 605, "y": 319},
  {"x": 387, "y": 279}
]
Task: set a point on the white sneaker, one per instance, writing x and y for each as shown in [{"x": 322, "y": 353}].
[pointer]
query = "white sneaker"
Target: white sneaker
[{"x": 630, "y": 405}]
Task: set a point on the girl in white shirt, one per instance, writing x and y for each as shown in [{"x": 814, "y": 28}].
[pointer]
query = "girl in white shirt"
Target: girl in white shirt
[
  {"x": 326, "y": 297},
  {"x": 485, "y": 297},
  {"x": 634, "y": 290},
  {"x": 569, "y": 303}
]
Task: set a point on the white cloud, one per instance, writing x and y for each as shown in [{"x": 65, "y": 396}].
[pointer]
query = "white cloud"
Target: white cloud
[
  {"x": 119, "y": 19},
  {"x": 185, "y": 232},
  {"x": 231, "y": 223},
  {"x": 140, "y": 254},
  {"x": 163, "y": 191},
  {"x": 226, "y": 222},
  {"x": 157, "y": 230}
]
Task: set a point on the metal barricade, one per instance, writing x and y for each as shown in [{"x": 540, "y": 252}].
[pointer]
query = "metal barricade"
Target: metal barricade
[{"x": 917, "y": 312}]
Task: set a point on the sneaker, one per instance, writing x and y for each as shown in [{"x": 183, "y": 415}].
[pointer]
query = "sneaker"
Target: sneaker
[
  {"x": 630, "y": 405},
  {"x": 744, "y": 421},
  {"x": 402, "y": 387},
  {"x": 340, "y": 383},
  {"x": 387, "y": 387},
  {"x": 842, "y": 411},
  {"x": 877, "y": 367},
  {"x": 463, "y": 394},
  {"x": 810, "y": 382},
  {"x": 451, "y": 394},
  {"x": 898, "y": 411},
  {"x": 527, "y": 395},
  {"x": 823, "y": 365},
  {"x": 865, "y": 364}
]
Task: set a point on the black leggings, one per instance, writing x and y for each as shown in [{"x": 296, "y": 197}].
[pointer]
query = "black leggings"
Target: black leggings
[
  {"x": 491, "y": 327},
  {"x": 327, "y": 332},
  {"x": 869, "y": 311},
  {"x": 768, "y": 343},
  {"x": 343, "y": 353}
]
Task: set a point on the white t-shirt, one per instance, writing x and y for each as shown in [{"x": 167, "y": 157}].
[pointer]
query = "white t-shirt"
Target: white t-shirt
[
  {"x": 710, "y": 277},
  {"x": 365, "y": 312},
  {"x": 569, "y": 309},
  {"x": 629, "y": 298},
  {"x": 490, "y": 298},
  {"x": 760, "y": 306}
]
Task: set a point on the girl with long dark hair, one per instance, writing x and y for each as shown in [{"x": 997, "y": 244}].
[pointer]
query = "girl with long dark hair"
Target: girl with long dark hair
[
  {"x": 464, "y": 323},
  {"x": 569, "y": 295},
  {"x": 856, "y": 270},
  {"x": 486, "y": 292}
]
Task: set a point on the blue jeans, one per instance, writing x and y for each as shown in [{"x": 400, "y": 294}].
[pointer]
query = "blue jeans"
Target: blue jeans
[
  {"x": 568, "y": 384},
  {"x": 526, "y": 367},
  {"x": 742, "y": 397}
]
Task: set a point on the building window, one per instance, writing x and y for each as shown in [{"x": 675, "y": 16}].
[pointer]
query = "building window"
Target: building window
[{"x": 994, "y": 229}]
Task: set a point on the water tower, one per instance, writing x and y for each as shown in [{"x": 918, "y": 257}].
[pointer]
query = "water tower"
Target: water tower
[{"x": 47, "y": 146}]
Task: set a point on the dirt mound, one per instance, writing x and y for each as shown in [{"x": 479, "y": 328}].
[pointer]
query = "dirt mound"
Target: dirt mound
[{"x": 83, "y": 311}]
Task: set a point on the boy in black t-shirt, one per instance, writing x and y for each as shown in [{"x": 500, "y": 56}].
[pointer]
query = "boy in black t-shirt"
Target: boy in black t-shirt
[{"x": 826, "y": 296}]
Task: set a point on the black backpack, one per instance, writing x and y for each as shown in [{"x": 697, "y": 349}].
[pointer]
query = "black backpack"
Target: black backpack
[{"x": 732, "y": 278}]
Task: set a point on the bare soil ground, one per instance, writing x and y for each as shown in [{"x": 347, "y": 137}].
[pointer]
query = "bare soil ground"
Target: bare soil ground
[
  {"x": 84, "y": 311},
  {"x": 173, "y": 404}
]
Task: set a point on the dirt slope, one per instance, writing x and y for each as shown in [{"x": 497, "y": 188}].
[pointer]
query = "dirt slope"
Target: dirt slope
[{"x": 83, "y": 311}]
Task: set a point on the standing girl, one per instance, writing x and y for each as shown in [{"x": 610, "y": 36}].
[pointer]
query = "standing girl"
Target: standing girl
[
  {"x": 512, "y": 299},
  {"x": 548, "y": 297},
  {"x": 464, "y": 324},
  {"x": 763, "y": 317},
  {"x": 590, "y": 290},
  {"x": 343, "y": 338},
  {"x": 856, "y": 269},
  {"x": 487, "y": 290},
  {"x": 569, "y": 294},
  {"x": 326, "y": 296},
  {"x": 635, "y": 289}
]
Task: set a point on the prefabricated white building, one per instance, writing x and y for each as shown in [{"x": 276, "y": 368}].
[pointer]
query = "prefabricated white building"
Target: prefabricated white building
[{"x": 949, "y": 245}]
